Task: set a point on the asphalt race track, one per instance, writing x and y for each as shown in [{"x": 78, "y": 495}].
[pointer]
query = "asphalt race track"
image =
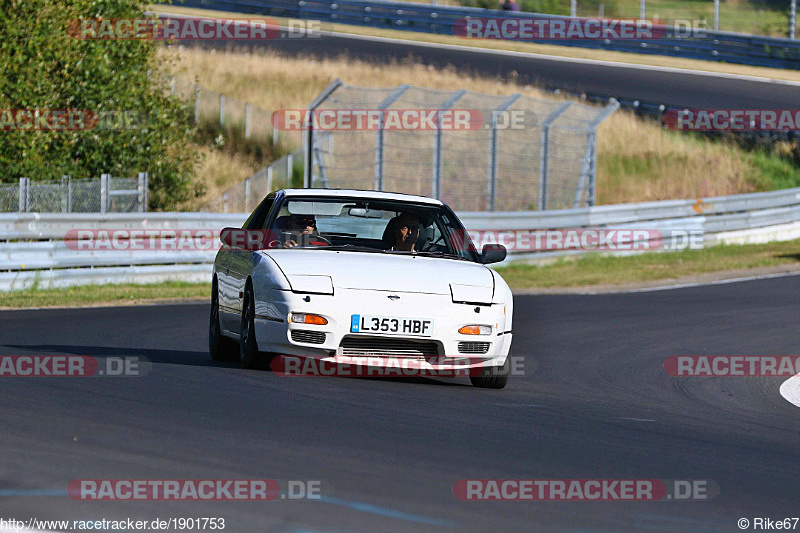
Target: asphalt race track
[
  {"x": 681, "y": 89},
  {"x": 594, "y": 403}
]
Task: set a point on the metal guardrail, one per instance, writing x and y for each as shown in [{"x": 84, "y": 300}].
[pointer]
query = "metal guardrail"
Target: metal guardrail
[
  {"x": 33, "y": 249},
  {"x": 710, "y": 45}
]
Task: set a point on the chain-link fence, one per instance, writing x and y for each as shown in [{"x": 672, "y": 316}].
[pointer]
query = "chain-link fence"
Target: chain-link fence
[
  {"x": 67, "y": 195},
  {"x": 515, "y": 153},
  {"x": 284, "y": 172}
]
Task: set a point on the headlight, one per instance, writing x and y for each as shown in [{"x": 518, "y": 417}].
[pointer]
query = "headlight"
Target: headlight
[
  {"x": 306, "y": 318},
  {"x": 475, "y": 330}
]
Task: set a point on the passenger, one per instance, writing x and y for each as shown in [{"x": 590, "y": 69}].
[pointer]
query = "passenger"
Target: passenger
[{"x": 406, "y": 232}]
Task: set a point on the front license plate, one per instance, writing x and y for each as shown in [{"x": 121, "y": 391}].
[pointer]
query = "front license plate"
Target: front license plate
[{"x": 391, "y": 325}]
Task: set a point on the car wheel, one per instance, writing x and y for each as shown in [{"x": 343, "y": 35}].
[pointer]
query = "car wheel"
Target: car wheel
[
  {"x": 493, "y": 377},
  {"x": 248, "y": 348},
  {"x": 220, "y": 347}
]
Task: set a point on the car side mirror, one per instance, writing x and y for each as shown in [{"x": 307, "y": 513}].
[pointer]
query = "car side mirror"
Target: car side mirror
[
  {"x": 226, "y": 236},
  {"x": 493, "y": 253}
]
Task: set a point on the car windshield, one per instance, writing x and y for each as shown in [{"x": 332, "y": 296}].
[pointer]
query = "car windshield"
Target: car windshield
[{"x": 371, "y": 226}]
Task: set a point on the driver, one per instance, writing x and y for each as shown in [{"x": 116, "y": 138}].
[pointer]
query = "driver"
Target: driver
[{"x": 300, "y": 225}]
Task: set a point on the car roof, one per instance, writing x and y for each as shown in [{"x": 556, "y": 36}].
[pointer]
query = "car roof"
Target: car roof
[{"x": 355, "y": 193}]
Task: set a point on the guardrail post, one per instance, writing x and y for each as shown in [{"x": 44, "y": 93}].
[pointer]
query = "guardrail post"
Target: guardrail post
[
  {"x": 247, "y": 195},
  {"x": 493, "y": 149},
  {"x": 269, "y": 179},
  {"x": 221, "y": 110},
  {"x": 436, "y": 186},
  {"x": 308, "y": 124},
  {"x": 66, "y": 194},
  {"x": 379, "y": 135},
  {"x": 289, "y": 168},
  {"x": 274, "y": 136},
  {"x": 196, "y": 103},
  {"x": 792, "y": 18},
  {"x": 544, "y": 153},
  {"x": 573, "y": 8},
  {"x": 716, "y": 15},
  {"x": 24, "y": 194},
  {"x": 247, "y": 120},
  {"x": 104, "y": 193}
]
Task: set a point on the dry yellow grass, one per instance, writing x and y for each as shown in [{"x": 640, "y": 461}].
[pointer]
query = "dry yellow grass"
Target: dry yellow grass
[
  {"x": 637, "y": 159},
  {"x": 217, "y": 172}
]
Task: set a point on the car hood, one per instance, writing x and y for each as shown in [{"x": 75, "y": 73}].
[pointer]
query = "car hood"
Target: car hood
[{"x": 385, "y": 272}]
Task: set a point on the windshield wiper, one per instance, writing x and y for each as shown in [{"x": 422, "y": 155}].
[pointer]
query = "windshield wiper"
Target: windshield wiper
[{"x": 349, "y": 247}]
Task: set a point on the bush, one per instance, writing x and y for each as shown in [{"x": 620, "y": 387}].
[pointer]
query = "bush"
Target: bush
[{"x": 43, "y": 67}]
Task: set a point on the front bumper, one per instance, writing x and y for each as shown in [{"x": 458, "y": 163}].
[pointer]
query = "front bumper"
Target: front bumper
[{"x": 334, "y": 341}]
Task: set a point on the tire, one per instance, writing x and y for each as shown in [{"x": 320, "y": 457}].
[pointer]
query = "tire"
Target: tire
[
  {"x": 248, "y": 348},
  {"x": 493, "y": 377},
  {"x": 220, "y": 347}
]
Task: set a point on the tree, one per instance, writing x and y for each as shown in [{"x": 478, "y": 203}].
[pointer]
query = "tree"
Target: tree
[{"x": 44, "y": 66}]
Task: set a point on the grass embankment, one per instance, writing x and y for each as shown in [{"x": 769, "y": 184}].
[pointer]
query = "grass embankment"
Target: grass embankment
[
  {"x": 638, "y": 160},
  {"x": 586, "y": 271}
]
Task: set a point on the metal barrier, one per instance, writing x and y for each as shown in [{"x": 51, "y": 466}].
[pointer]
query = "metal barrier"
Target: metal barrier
[
  {"x": 678, "y": 42},
  {"x": 33, "y": 249}
]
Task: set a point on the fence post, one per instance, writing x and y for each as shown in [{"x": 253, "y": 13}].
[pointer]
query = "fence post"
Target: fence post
[
  {"x": 146, "y": 191},
  {"x": 274, "y": 136},
  {"x": 24, "y": 194},
  {"x": 221, "y": 110},
  {"x": 247, "y": 195},
  {"x": 247, "y": 120},
  {"x": 641, "y": 9},
  {"x": 716, "y": 15},
  {"x": 493, "y": 149},
  {"x": 573, "y": 8},
  {"x": 141, "y": 191},
  {"x": 269, "y": 179},
  {"x": 379, "y": 135},
  {"x": 792, "y": 18},
  {"x": 436, "y": 187},
  {"x": 308, "y": 137},
  {"x": 66, "y": 196},
  {"x": 196, "y": 103},
  {"x": 225, "y": 203},
  {"x": 104, "y": 193},
  {"x": 172, "y": 85},
  {"x": 289, "y": 167},
  {"x": 544, "y": 153}
]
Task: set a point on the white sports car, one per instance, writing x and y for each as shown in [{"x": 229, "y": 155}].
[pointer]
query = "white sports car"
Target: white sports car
[{"x": 339, "y": 275}]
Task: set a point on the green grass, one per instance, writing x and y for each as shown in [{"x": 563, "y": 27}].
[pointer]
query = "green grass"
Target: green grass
[
  {"x": 584, "y": 271},
  {"x": 596, "y": 269},
  {"x": 124, "y": 294}
]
